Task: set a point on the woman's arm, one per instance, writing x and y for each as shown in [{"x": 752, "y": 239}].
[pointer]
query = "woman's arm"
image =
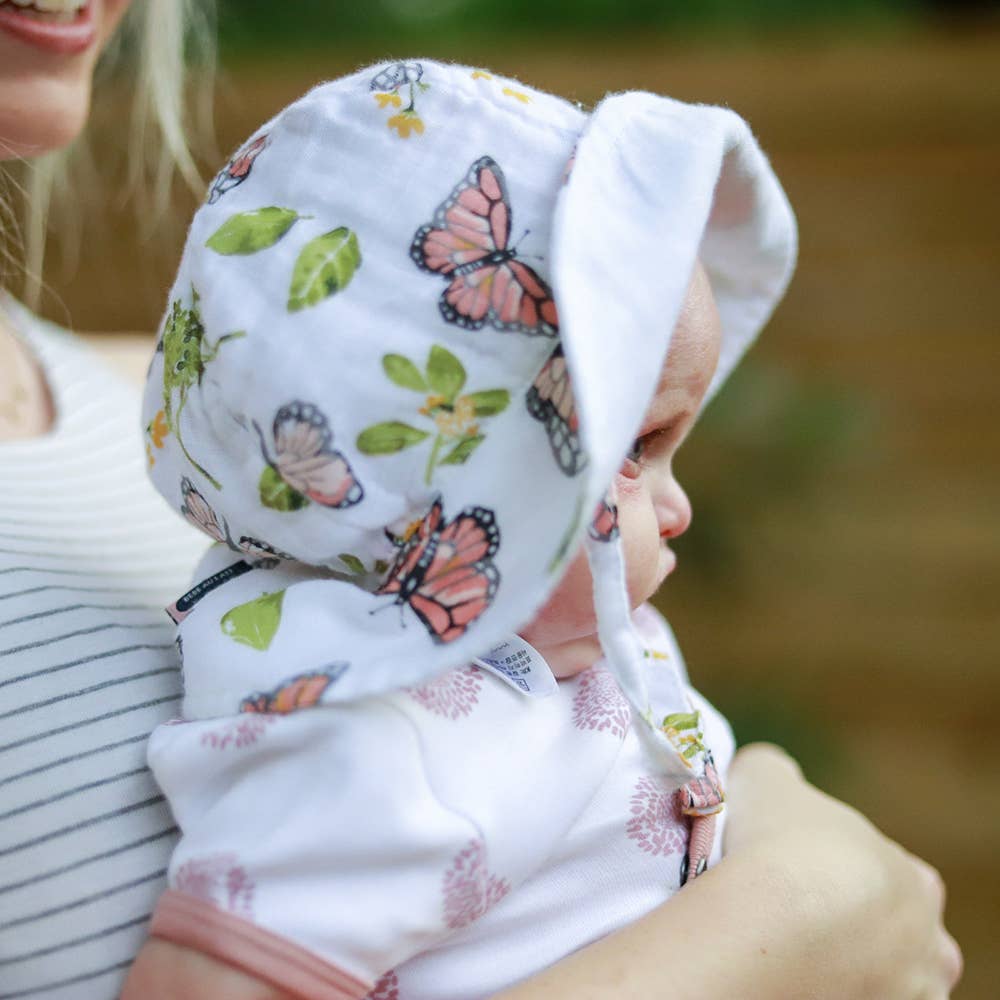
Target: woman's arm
[{"x": 811, "y": 901}]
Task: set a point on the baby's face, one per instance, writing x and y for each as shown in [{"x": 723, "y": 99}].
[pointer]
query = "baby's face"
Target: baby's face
[{"x": 652, "y": 506}]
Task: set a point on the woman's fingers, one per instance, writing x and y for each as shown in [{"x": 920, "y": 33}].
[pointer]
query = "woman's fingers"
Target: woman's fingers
[
  {"x": 883, "y": 903},
  {"x": 765, "y": 760},
  {"x": 763, "y": 785}
]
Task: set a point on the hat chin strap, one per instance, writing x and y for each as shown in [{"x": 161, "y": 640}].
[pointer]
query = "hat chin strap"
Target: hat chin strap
[{"x": 626, "y": 656}]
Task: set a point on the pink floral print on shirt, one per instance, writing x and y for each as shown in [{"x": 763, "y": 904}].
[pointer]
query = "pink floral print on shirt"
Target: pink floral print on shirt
[
  {"x": 451, "y": 695},
  {"x": 599, "y": 703},
  {"x": 469, "y": 888},
  {"x": 387, "y": 988},
  {"x": 238, "y": 734},
  {"x": 657, "y": 824},
  {"x": 218, "y": 879}
]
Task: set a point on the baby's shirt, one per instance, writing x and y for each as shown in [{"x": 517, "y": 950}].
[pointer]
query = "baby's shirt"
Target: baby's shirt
[{"x": 445, "y": 841}]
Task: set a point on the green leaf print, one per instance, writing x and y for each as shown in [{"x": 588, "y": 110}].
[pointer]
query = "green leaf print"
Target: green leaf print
[
  {"x": 461, "y": 451},
  {"x": 325, "y": 266},
  {"x": 255, "y": 623},
  {"x": 353, "y": 563},
  {"x": 681, "y": 720},
  {"x": 489, "y": 402},
  {"x": 445, "y": 373},
  {"x": 388, "y": 438},
  {"x": 277, "y": 494},
  {"x": 357, "y": 567},
  {"x": 403, "y": 372},
  {"x": 249, "y": 232}
]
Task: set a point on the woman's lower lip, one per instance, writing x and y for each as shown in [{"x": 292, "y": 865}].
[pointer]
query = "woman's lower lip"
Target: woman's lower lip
[{"x": 62, "y": 38}]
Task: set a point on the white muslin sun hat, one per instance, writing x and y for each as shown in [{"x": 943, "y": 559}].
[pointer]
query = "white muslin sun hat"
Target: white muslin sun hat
[{"x": 415, "y": 329}]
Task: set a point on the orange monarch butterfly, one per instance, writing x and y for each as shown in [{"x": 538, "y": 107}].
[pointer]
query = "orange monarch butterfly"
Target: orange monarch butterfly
[
  {"x": 237, "y": 170},
  {"x": 302, "y": 691},
  {"x": 444, "y": 570},
  {"x": 305, "y": 459},
  {"x": 550, "y": 400},
  {"x": 467, "y": 242},
  {"x": 200, "y": 513}
]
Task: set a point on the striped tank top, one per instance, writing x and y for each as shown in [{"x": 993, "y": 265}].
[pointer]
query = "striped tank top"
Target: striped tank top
[{"x": 89, "y": 557}]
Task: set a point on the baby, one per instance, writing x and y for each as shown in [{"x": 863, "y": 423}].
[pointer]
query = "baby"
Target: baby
[{"x": 412, "y": 382}]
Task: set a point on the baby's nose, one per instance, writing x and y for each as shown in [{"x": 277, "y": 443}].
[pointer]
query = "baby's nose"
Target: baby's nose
[{"x": 674, "y": 511}]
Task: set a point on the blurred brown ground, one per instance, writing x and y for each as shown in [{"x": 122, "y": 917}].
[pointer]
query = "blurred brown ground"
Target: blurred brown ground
[{"x": 854, "y": 612}]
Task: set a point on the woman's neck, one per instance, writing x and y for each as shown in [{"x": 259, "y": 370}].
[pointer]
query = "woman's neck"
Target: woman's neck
[{"x": 26, "y": 408}]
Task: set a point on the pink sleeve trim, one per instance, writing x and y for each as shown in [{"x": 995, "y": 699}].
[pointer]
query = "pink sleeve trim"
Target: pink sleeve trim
[{"x": 194, "y": 923}]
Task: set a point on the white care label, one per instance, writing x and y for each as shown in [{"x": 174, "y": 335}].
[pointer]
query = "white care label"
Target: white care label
[{"x": 520, "y": 665}]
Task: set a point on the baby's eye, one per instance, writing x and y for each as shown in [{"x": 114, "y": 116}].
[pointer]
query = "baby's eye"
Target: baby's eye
[
  {"x": 632, "y": 466},
  {"x": 637, "y": 450}
]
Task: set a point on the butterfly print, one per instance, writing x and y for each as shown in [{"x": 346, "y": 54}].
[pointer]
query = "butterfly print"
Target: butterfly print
[
  {"x": 237, "y": 170},
  {"x": 261, "y": 550},
  {"x": 444, "y": 570},
  {"x": 200, "y": 513},
  {"x": 466, "y": 242},
  {"x": 604, "y": 526},
  {"x": 305, "y": 459},
  {"x": 550, "y": 400},
  {"x": 303, "y": 691}
]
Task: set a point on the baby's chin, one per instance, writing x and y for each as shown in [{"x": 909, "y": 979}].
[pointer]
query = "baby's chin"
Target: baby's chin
[{"x": 667, "y": 563}]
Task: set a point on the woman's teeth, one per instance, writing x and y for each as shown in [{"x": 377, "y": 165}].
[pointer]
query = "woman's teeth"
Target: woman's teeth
[{"x": 48, "y": 10}]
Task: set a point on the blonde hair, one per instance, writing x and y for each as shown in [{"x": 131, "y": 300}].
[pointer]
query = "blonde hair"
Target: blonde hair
[{"x": 160, "y": 33}]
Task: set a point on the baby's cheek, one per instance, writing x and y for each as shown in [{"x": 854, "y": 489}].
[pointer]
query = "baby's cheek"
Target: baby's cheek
[
  {"x": 640, "y": 539},
  {"x": 569, "y": 611}
]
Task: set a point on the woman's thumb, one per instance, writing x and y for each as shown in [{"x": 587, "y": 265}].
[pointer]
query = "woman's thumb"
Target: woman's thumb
[{"x": 761, "y": 782}]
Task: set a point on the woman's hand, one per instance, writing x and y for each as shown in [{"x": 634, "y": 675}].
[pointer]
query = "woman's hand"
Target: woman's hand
[
  {"x": 810, "y": 903},
  {"x": 869, "y": 914}
]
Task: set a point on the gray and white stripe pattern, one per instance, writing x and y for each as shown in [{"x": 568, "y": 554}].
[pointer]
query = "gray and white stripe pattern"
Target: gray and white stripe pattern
[{"x": 89, "y": 557}]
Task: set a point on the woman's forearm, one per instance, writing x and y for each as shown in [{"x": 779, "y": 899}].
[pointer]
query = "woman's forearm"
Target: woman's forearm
[{"x": 736, "y": 931}]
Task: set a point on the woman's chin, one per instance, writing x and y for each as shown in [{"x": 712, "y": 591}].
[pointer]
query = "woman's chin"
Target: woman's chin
[{"x": 39, "y": 116}]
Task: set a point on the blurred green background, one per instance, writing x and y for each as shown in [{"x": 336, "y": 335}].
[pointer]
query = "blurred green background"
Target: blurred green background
[{"x": 838, "y": 592}]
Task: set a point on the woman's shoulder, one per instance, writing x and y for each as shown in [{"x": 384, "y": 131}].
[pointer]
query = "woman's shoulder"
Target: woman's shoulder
[{"x": 127, "y": 354}]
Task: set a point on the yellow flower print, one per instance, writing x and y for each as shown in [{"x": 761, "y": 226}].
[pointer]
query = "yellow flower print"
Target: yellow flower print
[
  {"x": 384, "y": 100},
  {"x": 517, "y": 95},
  {"x": 455, "y": 418},
  {"x": 683, "y": 730},
  {"x": 481, "y": 74},
  {"x": 460, "y": 421},
  {"x": 158, "y": 429},
  {"x": 655, "y": 654},
  {"x": 149, "y": 456},
  {"x": 429, "y": 407},
  {"x": 405, "y": 123}
]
